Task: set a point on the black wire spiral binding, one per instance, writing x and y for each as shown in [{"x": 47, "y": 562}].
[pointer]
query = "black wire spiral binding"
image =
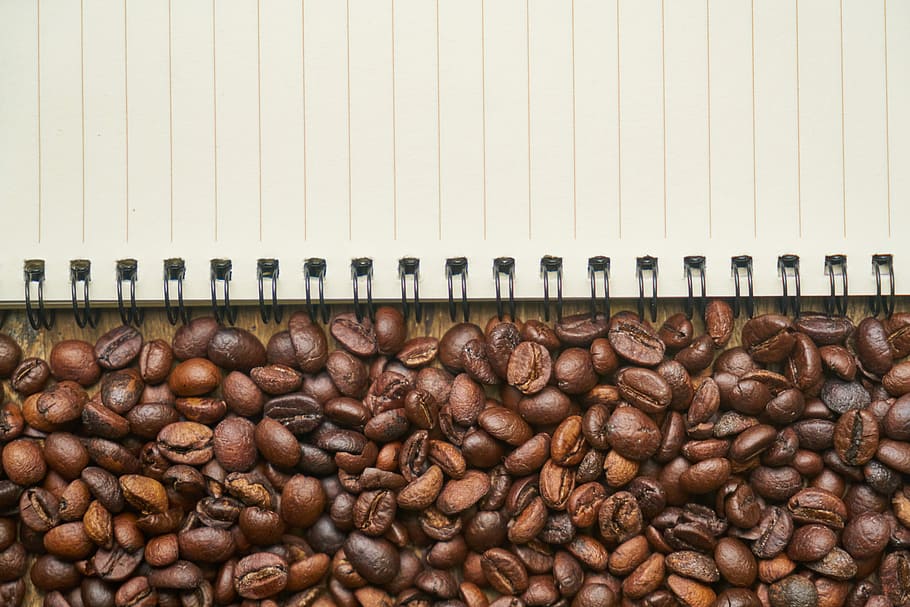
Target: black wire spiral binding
[
  {"x": 691, "y": 264},
  {"x": 362, "y": 267},
  {"x": 33, "y": 270},
  {"x": 410, "y": 266},
  {"x": 128, "y": 269},
  {"x": 175, "y": 270},
  {"x": 548, "y": 264},
  {"x": 221, "y": 271},
  {"x": 642, "y": 265},
  {"x": 268, "y": 268},
  {"x": 836, "y": 264},
  {"x": 882, "y": 303},
  {"x": 786, "y": 265},
  {"x": 458, "y": 266},
  {"x": 81, "y": 271},
  {"x": 739, "y": 264},
  {"x": 599, "y": 265},
  {"x": 504, "y": 265},
  {"x": 316, "y": 267}
]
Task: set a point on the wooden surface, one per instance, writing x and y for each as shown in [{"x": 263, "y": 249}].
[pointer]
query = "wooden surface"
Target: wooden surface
[{"x": 435, "y": 322}]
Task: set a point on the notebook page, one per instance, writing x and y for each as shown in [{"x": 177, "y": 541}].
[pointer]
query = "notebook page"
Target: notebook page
[{"x": 293, "y": 129}]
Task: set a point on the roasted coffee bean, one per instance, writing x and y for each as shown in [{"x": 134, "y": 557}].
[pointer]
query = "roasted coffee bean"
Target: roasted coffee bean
[
  {"x": 574, "y": 371},
  {"x": 422, "y": 491},
  {"x": 768, "y": 338},
  {"x": 505, "y": 425},
  {"x": 504, "y": 571},
  {"x": 632, "y": 433},
  {"x": 118, "y": 347},
  {"x": 644, "y": 389},
  {"x": 841, "y": 396},
  {"x": 529, "y": 367},
  {"x": 872, "y": 347},
  {"x": 856, "y": 437},
  {"x": 188, "y": 443},
  {"x": 30, "y": 376},
  {"x": 74, "y": 359},
  {"x": 299, "y": 413},
  {"x": 635, "y": 341},
  {"x": 421, "y": 351},
  {"x": 194, "y": 377},
  {"x": 356, "y": 336},
  {"x": 23, "y": 462},
  {"x": 233, "y": 348}
]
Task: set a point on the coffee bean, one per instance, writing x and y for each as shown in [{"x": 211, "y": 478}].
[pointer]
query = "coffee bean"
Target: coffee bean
[
  {"x": 793, "y": 591},
  {"x": 375, "y": 559},
  {"x": 705, "y": 476},
  {"x": 23, "y": 462},
  {"x": 529, "y": 367},
  {"x": 856, "y": 437},
  {"x": 74, "y": 360},
  {"x": 206, "y": 544},
  {"x": 632, "y": 433},
  {"x": 358, "y": 337},
  {"x": 690, "y": 592},
  {"x": 504, "y": 571},
  {"x": 188, "y": 443},
  {"x": 276, "y": 443},
  {"x": 118, "y": 347},
  {"x": 420, "y": 351},
  {"x": 302, "y": 501},
  {"x": 635, "y": 341},
  {"x": 194, "y": 377},
  {"x": 30, "y": 376},
  {"x": 804, "y": 365},
  {"x": 644, "y": 389},
  {"x": 453, "y": 341},
  {"x": 692, "y": 564},
  {"x": 841, "y": 396},
  {"x": 505, "y": 425},
  {"x": 872, "y": 346},
  {"x": 768, "y": 338},
  {"x": 233, "y": 348},
  {"x": 865, "y": 535}
]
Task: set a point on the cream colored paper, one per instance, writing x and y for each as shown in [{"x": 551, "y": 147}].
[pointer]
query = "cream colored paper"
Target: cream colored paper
[{"x": 437, "y": 128}]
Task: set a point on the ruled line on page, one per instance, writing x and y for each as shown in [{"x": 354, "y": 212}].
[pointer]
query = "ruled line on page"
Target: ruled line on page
[
  {"x": 170, "y": 96},
  {"x": 618, "y": 121},
  {"x": 754, "y": 160},
  {"x": 438, "y": 133},
  {"x": 528, "y": 57},
  {"x": 259, "y": 101},
  {"x": 887, "y": 119},
  {"x": 483, "y": 89},
  {"x": 799, "y": 147},
  {"x": 82, "y": 101},
  {"x": 347, "y": 39},
  {"x": 710, "y": 168},
  {"x": 38, "y": 65},
  {"x": 306, "y": 223},
  {"x": 663, "y": 102},
  {"x": 215, "y": 116},
  {"x": 843, "y": 119},
  {"x": 126, "y": 117},
  {"x": 574, "y": 138},
  {"x": 394, "y": 135}
]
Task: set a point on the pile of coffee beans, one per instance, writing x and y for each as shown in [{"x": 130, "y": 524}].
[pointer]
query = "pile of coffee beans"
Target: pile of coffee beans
[{"x": 594, "y": 462}]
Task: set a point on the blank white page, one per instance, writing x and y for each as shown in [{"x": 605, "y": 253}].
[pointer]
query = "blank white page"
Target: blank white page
[{"x": 295, "y": 129}]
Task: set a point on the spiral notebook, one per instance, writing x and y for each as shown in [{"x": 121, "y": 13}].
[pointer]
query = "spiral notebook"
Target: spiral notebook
[{"x": 436, "y": 129}]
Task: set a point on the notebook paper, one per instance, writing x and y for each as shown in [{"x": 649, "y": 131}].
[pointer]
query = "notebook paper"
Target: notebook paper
[{"x": 439, "y": 128}]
